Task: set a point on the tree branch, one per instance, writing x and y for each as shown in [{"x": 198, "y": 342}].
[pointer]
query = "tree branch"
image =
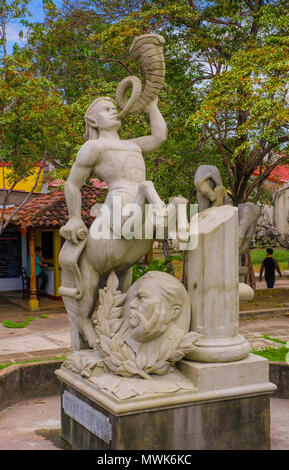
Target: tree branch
[
  {"x": 226, "y": 23},
  {"x": 261, "y": 179},
  {"x": 28, "y": 195},
  {"x": 5, "y": 201}
]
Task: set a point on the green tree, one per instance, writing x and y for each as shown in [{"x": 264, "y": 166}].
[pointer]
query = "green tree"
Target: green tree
[
  {"x": 64, "y": 50},
  {"x": 34, "y": 125},
  {"x": 16, "y": 9},
  {"x": 230, "y": 59},
  {"x": 239, "y": 55},
  {"x": 84, "y": 50},
  {"x": 226, "y": 80}
]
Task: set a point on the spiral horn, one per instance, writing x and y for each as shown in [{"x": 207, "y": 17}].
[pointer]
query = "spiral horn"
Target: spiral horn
[{"x": 147, "y": 50}]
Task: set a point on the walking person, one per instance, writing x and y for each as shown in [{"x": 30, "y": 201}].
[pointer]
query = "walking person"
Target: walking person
[
  {"x": 269, "y": 264},
  {"x": 39, "y": 264}
]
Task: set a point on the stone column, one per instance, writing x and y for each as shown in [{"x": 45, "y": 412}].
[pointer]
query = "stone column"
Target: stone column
[
  {"x": 212, "y": 280},
  {"x": 33, "y": 300}
]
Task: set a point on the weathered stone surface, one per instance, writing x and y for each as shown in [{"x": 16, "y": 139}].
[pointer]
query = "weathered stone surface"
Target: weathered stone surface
[
  {"x": 240, "y": 377},
  {"x": 281, "y": 211},
  {"x": 246, "y": 292},
  {"x": 230, "y": 424},
  {"x": 213, "y": 285},
  {"x": 28, "y": 380},
  {"x": 279, "y": 375}
]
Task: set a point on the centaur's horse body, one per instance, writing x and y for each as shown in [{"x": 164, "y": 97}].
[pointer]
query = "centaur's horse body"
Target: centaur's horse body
[{"x": 85, "y": 269}]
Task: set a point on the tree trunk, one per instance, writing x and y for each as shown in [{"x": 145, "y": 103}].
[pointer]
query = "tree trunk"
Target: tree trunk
[
  {"x": 167, "y": 254},
  {"x": 250, "y": 277}
]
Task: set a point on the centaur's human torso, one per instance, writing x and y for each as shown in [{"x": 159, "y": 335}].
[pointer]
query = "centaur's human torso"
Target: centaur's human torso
[
  {"x": 121, "y": 165},
  {"x": 119, "y": 162}
]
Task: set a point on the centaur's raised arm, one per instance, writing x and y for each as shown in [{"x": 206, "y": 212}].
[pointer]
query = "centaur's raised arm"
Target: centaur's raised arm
[{"x": 159, "y": 130}]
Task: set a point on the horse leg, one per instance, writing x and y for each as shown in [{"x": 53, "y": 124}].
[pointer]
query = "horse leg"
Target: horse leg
[
  {"x": 125, "y": 279},
  {"x": 80, "y": 311}
]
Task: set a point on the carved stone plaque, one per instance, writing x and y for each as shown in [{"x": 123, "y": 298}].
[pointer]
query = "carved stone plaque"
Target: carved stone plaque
[{"x": 91, "y": 419}]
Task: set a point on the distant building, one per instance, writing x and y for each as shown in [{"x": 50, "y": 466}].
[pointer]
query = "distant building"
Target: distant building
[
  {"x": 277, "y": 178},
  {"x": 22, "y": 188},
  {"x": 37, "y": 223}
]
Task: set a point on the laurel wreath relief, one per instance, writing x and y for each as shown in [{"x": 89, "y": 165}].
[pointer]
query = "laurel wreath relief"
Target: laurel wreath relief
[{"x": 117, "y": 355}]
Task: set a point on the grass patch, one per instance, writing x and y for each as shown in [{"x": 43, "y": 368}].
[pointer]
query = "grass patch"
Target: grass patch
[
  {"x": 16, "y": 324},
  {"x": 23, "y": 324},
  {"x": 3, "y": 366},
  {"x": 28, "y": 361},
  {"x": 274, "y": 355},
  {"x": 257, "y": 256}
]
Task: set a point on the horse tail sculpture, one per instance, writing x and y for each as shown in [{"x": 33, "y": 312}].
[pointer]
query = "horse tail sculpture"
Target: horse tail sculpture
[{"x": 147, "y": 50}]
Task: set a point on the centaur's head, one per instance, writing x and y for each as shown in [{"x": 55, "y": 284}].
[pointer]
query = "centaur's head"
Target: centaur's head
[{"x": 101, "y": 114}]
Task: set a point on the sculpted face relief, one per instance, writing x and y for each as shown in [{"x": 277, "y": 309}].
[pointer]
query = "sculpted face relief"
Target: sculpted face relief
[
  {"x": 149, "y": 315},
  {"x": 144, "y": 331},
  {"x": 149, "y": 312}
]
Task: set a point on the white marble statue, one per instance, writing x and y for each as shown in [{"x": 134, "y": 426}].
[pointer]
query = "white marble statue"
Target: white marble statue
[{"x": 157, "y": 345}]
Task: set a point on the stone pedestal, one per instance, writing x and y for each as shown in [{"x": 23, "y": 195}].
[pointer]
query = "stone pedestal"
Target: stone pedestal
[
  {"x": 227, "y": 407},
  {"x": 212, "y": 280}
]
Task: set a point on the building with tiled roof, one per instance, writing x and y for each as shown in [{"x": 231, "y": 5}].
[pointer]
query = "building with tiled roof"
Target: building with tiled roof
[
  {"x": 49, "y": 211},
  {"x": 37, "y": 223}
]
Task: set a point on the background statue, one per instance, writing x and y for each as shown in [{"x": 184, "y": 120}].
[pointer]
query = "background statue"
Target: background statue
[
  {"x": 210, "y": 189},
  {"x": 211, "y": 192},
  {"x": 266, "y": 234},
  {"x": 248, "y": 215}
]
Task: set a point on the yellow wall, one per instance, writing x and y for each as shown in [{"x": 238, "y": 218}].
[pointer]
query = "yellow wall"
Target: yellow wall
[{"x": 25, "y": 184}]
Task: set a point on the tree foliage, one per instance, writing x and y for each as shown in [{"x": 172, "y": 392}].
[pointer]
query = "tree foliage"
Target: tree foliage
[
  {"x": 224, "y": 94},
  {"x": 34, "y": 124}
]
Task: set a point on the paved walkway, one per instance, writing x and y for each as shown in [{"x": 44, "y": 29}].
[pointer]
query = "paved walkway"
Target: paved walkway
[
  {"x": 276, "y": 327},
  {"x": 35, "y": 424},
  {"x": 41, "y": 338},
  {"x": 50, "y": 337},
  {"x": 279, "y": 283}
]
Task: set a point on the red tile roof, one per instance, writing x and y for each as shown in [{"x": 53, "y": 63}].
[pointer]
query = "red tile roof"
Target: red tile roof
[
  {"x": 280, "y": 174},
  {"x": 94, "y": 181},
  {"x": 50, "y": 210}
]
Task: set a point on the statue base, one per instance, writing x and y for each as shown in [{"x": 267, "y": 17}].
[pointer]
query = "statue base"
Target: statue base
[{"x": 198, "y": 407}]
